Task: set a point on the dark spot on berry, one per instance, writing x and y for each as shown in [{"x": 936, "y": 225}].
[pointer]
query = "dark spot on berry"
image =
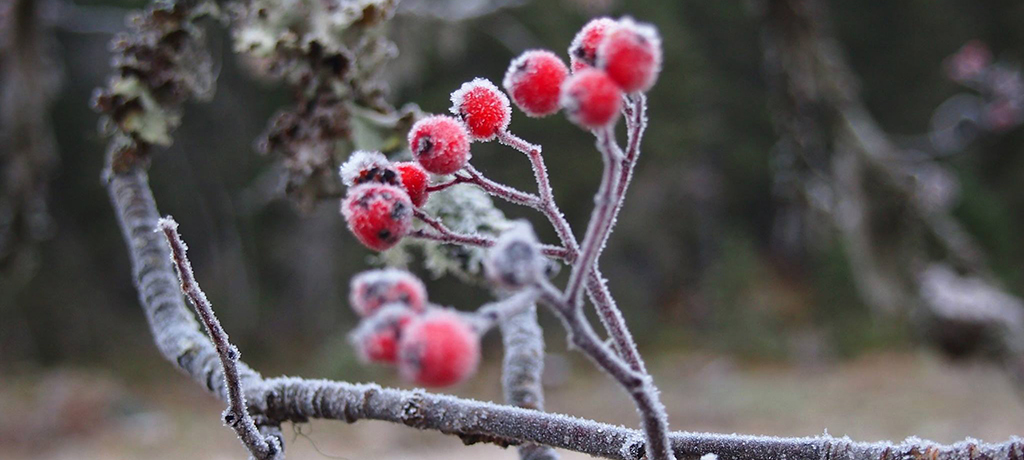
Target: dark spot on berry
[
  {"x": 385, "y": 235},
  {"x": 388, "y": 176},
  {"x": 522, "y": 66},
  {"x": 399, "y": 211},
  {"x": 424, "y": 146}
]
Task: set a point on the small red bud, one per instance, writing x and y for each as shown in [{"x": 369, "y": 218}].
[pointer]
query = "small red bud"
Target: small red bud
[
  {"x": 483, "y": 107},
  {"x": 591, "y": 99},
  {"x": 583, "y": 50},
  {"x": 377, "y": 337},
  {"x": 440, "y": 144},
  {"x": 373, "y": 289},
  {"x": 439, "y": 349},
  {"x": 631, "y": 55},
  {"x": 533, "y": 80},
  {"x": 414, "y": 180},
  {"x": 378, "y": 215}
]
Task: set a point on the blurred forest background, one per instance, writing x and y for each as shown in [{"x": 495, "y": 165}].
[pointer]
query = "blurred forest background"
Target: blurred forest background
[{"x": 703, "y": 261}]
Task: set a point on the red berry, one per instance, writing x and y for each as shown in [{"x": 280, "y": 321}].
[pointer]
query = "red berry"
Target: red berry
[
  {"x": 440, "y": 144},
  {"x": 533, "y": 81},
  {"x": 378, "y": 215},
  {"x": 365, "y": 166},
  {"x": 372, "y": 289},
  {"x": 414, "y": 180},
  {"x": 439, "y": 349},
  {"x": 591, "y": 99},
  {"x": 583, "y": 51},
  {"x": 376, "y": 339},
  {"x": 483, "y": 107},
  {"x": 631, "y": 55}
]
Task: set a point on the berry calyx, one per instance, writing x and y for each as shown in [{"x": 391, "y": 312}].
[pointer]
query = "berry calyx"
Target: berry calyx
[
  {"x": 483, "y": 107},
  {"x": 379, "y": 215},
  {"x": 533, "y": 81},
  {"x": 440, "y": 144},
  {"x": 372, "y": 289},
  {"x": 583, "y": 50},
  {"x": 591, "y": 99},
  {"x": 414, "y": 180},
  {"x": 377, "y": 337},
  {"x": 365, "y": 166},
  {"x": 438, "y": 349},
  {"x": 631, "y": 55}
]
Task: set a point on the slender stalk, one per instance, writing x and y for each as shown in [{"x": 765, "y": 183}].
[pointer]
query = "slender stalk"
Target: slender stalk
[
  {"x": 445, "y": 235},
  {"x": 236, "y": 415},
  {"x": 600, "y": 219}
]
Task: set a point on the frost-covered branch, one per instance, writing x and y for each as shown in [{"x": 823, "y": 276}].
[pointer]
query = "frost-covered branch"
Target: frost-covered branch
[
  {"x": 236, "y": 415},
  {"x": 273, "y": 401}
]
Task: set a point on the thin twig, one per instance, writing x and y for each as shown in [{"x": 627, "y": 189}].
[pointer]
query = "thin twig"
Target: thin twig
[
  {"x": 449, "y": 236},
  {"x": 236, "y": 415}
]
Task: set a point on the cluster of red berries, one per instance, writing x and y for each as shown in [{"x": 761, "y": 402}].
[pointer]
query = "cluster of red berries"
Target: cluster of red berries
[
  {"x": 431, "y": 346},
  {"x": 609, "y": 58},
  {"x": 381, "y": 195}
]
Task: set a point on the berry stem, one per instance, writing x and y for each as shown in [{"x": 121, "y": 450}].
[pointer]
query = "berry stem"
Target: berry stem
[
  {"x": 449, "y": 236},
  {"x": 600, "y": 223},
  {"x": 501, "y": 190},
  {"x": 237, "y": 415},
  {"x": 491, "y": 314}
]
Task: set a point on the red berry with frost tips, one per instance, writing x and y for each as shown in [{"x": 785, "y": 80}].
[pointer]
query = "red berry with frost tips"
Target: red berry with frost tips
[
  {"x": 591, "y": 99},
  {"x": 583, "y": 50},
  {"x": 372, "y": 289},
  {"x": 414, "y": 180},
  {"x": 365, "y": 166},
  {"x": 379, "y": 215},
  {"x": 631, "y": 55},
  {"x": 377, "y": 337},
  {"x": 533, "y": 81},
  {"x": 439, "y": 349},
  {"x": 440, "y": 144},
  {"x": 483, "y": 107}
]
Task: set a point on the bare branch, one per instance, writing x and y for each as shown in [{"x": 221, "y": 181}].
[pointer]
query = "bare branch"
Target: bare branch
[
  {"x": 236, "y": 416},
  {"x": 291, "y": 399}
]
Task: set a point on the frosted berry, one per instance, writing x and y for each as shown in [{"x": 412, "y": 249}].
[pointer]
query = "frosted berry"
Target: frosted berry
[
  {"x": 440, "y": 144},
  {"x": 438, "y": 349},
  {"x": 365, "y": 166},
  {"x": 583, "y": 50},
  {"x": 631, "y": 55},
  {"x": 515, "y": 260},
  {"x": 376, "y": 339},
  {"x": 591, "y": 99},
  {"x": 414, "y": 180},
  {"x": 533, "y": 81},
  {"x": 379, "y": 215},
  {"x": 483, "y": 107},
  {"x": 372, "y": 289}
]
